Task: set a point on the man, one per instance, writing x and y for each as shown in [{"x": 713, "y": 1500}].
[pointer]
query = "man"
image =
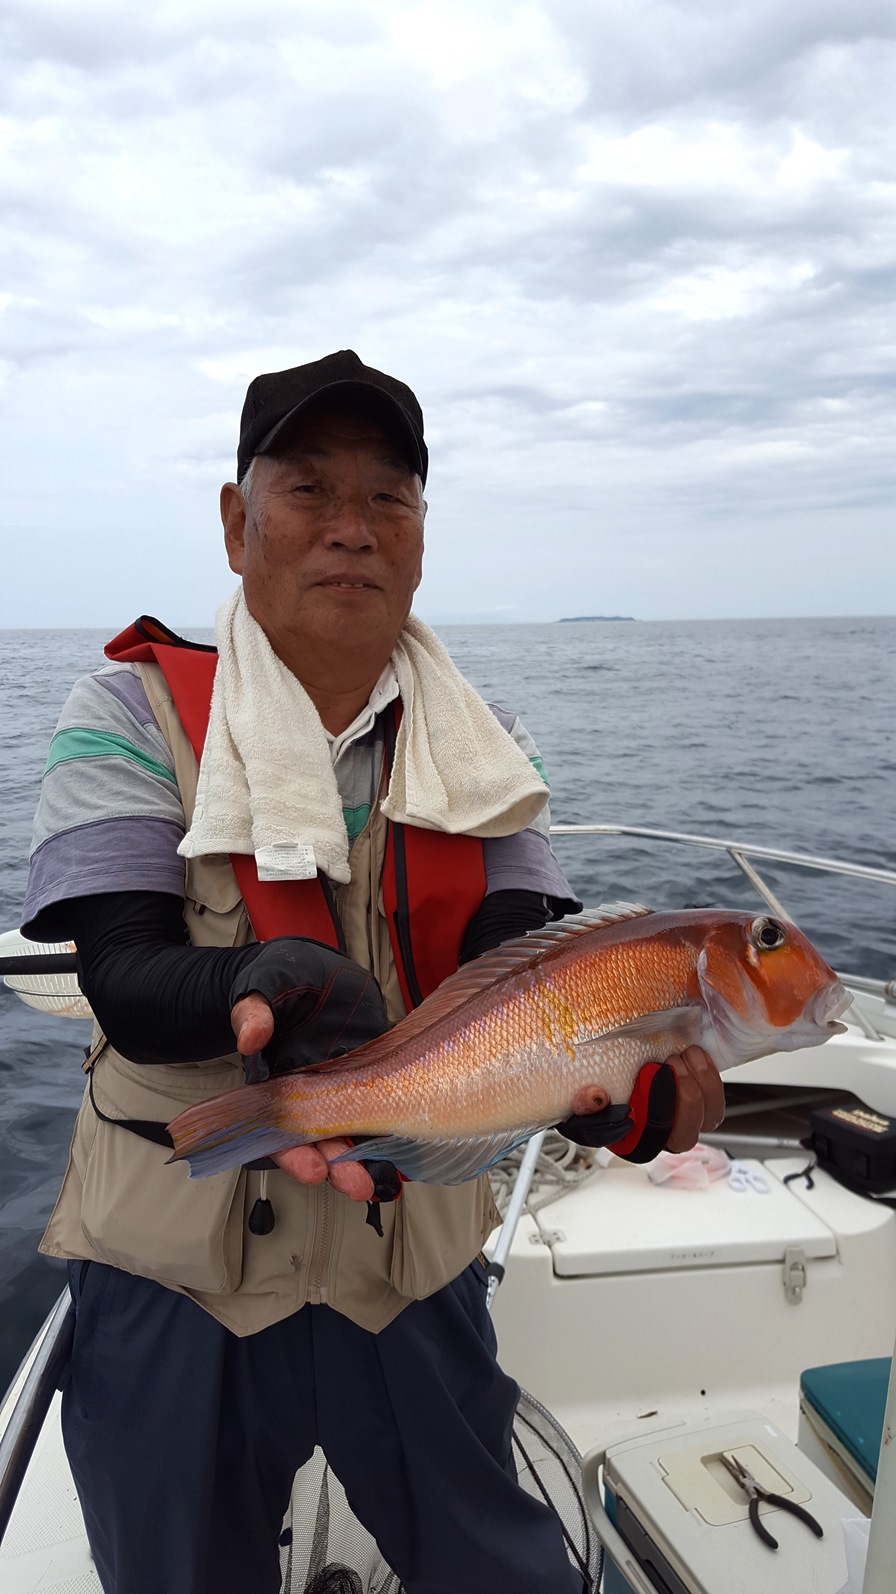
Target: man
[{"x": 186, "y": 841}]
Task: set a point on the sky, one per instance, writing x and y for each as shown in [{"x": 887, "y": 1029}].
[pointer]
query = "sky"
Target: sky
[{"x": 635, "y": 257}]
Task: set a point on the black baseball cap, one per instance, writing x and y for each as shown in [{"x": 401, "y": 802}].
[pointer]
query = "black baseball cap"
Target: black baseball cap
[{"x": 274, "y": 401}]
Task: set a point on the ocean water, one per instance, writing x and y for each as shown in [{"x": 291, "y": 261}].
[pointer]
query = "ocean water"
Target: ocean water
[{"x": 778, "y": 732}]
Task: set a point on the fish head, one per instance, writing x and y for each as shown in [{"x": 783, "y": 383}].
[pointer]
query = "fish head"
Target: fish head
[{"x": 765, "y": 989}]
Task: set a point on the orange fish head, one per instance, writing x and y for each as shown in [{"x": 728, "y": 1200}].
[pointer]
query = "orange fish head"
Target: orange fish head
[{"x": 765, "y": 989}]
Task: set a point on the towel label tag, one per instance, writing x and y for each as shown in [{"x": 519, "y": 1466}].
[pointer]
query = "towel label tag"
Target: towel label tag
[{"x": 285, "y": 860}]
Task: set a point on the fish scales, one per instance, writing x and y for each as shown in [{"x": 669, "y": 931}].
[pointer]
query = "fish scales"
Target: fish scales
[
  {"x": 493, "y": 1059},
  {"x": 506, "y": 1043}
]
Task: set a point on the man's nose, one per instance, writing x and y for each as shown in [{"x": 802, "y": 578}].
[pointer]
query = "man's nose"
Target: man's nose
[{"x": 350, "y": 525}]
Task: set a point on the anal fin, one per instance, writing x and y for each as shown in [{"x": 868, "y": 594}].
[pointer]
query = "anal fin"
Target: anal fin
[{"x": 440, "y": 1161}]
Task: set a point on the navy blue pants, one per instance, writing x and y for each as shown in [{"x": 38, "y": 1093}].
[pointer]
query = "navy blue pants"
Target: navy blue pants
[{"x": 184, "y": 1440}]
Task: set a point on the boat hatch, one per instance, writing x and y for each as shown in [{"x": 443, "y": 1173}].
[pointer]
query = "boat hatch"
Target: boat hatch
[{"x": 664, "y": 1228}]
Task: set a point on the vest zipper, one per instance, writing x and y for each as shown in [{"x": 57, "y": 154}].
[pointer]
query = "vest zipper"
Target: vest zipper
[{"x": 320, "y": 1251}]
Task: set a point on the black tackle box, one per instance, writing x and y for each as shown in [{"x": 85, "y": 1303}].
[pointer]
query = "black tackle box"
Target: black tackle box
[{"x": 856, "y": 1145}]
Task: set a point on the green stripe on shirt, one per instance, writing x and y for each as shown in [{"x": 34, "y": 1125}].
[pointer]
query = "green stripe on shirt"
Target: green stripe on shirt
[
  {"x": 538, "y": 765},
  {"x": 355, "y": 820},
  {"x": 78, "y": 742}
]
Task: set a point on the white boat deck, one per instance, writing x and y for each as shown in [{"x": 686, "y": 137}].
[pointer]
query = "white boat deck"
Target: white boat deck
[
  {"x": 626, "y": 1306},
  {"x": 45, "y": 1547},
  {"x": 629, "y": 1305}
]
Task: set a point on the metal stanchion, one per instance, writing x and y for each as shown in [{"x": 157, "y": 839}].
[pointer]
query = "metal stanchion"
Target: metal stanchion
[{"x": 517, "y": 1201}]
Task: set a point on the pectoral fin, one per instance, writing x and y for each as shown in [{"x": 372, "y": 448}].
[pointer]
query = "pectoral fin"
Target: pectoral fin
[{"x": 674, "y": 1027}]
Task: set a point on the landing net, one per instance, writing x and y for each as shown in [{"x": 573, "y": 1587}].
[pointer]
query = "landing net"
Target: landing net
[{"x": 331, "y": 1553}]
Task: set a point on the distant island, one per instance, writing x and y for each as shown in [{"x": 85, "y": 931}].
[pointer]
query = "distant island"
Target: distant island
[{"x": 573, "y": 619}]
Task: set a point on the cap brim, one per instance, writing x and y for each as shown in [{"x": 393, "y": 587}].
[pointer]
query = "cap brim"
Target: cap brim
[{"x": 278, "y": 436}]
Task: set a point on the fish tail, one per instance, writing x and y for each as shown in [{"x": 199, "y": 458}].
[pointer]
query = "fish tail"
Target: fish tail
[{"x": 231, "y": 1129}]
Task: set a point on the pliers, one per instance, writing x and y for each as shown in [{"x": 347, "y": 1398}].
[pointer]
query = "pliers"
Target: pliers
[{"x": 755, "y": 1492}]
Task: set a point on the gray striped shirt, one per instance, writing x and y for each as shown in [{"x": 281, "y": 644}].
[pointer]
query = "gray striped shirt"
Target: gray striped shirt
[{"x": 110, "y": 816}]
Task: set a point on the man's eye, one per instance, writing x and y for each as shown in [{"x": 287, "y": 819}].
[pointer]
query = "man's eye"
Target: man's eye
[{"x": 305, "y": 487}]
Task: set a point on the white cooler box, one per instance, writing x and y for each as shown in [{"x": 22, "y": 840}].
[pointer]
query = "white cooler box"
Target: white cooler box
[{"x": 686, "y": 1520}]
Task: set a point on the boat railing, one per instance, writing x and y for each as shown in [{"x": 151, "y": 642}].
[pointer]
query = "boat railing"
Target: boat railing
[
  {"x": 42, "y": 1379},
  {"x": 745, "y": 854}
]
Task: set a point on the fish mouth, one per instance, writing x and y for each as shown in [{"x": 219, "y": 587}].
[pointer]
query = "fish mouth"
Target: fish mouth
[
  {"x": 829, "y": 1004},
  {"x": 818, "y": 1020},
  {"x": 741, "y": 1037}
]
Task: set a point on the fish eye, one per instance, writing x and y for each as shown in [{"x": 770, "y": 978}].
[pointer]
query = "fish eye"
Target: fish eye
[{"x": 767, "y": 934}]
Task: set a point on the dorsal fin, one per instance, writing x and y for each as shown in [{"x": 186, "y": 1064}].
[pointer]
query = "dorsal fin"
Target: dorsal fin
[
  {"x": 505, "y": 959},
  {"x": 483, "y": 971},
  {"x": 563, "y": 930}
]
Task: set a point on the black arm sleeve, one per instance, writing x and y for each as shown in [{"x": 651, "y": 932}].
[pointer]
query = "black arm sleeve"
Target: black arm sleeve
[
  {"x": 161, "y": 1000},
  {"x": 158, "y": 999},
  {"x": 503, "y": 915}
]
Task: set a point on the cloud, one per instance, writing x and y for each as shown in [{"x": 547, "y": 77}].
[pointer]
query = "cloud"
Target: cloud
[{"x": 637, "y": 260}]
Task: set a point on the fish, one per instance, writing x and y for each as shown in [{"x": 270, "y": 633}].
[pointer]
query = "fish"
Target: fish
[{"x": 502, "y": 1047}]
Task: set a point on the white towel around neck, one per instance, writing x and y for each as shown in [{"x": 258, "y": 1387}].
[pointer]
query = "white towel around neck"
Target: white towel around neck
[{"x": 266, "y": 779}]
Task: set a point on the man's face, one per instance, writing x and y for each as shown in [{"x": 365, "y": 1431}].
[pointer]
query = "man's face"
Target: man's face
[{"x": 331, "y": 548}]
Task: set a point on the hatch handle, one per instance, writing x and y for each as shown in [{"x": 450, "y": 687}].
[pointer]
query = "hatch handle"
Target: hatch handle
[{"x": 796, "y": 1273}]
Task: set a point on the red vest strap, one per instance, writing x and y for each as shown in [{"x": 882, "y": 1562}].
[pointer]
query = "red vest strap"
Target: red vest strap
[
  {"x": 282, "y": 907},
  {"x": 287, "y": 907},
  {"x": 432, "y": 883},
  {"x": 432, "y": 886}
]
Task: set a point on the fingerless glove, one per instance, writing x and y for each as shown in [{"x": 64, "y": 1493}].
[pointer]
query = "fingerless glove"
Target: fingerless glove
[
  {"x": 323, "y": 1004},
  {"x": 637, "y": 1131}
]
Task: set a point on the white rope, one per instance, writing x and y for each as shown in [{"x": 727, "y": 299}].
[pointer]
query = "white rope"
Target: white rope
[{"x": 561, "y": 1167}]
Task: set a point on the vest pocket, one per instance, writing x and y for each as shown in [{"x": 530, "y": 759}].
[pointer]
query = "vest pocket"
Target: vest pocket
[
  {"x": 144, "y": 1215},
  {"x": 213, "y": 908},
  {"x": 438, "y": 1231}
]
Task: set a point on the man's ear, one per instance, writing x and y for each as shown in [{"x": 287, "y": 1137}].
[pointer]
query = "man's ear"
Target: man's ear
[{"x": 233, "y": 519}]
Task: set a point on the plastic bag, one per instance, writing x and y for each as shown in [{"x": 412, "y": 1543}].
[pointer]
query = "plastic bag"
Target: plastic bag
[{"x": 690, "y": 1170}]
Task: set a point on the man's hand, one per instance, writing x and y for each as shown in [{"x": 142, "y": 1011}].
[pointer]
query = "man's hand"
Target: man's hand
[
  {"x": 672, "y": 1104},
  {"x": 699, "y": 1098},
  {"x": 253, "y": 1025}
]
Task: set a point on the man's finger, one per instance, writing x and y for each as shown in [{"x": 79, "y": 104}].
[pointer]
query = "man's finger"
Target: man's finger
[
  {"x": 589, "y": 1099},
  {"x": 303, "y": 1163},
  {"x": 351, "y": 1178},
  {"x": 253, "y": 1023},
  {"x": 315, "y": 1164},
  {"x": 704, "y": 1072},
  {"x": 700, "y": 1099},
  {"x": 688, "y": 1125}
]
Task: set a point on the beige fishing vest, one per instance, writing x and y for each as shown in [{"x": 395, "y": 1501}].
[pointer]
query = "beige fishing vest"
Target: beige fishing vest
[{"x": 122, "y": 1202}]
